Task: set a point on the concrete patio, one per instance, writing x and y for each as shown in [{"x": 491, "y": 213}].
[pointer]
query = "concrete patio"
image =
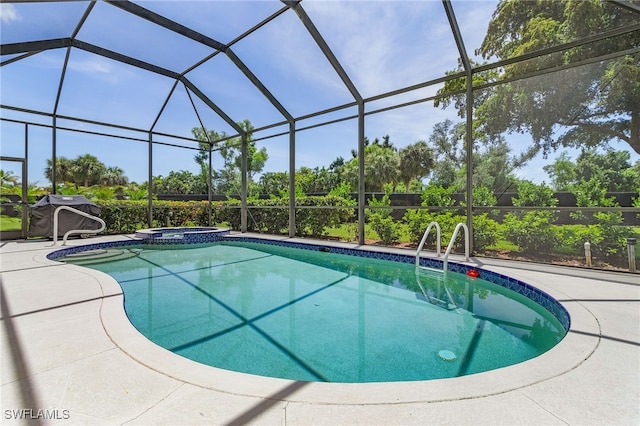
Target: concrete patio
[{"x": 69, "y": 352}]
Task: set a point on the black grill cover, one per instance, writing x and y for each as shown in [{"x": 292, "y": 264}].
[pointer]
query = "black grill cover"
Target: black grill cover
[{"x": 41, "y": 215}]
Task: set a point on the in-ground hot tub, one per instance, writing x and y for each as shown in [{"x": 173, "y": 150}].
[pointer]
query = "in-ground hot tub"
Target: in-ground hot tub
[{"x": 181, "y": 235}]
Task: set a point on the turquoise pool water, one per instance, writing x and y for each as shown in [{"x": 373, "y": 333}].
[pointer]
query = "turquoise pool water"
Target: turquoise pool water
[{"x": 314, "y": 316}]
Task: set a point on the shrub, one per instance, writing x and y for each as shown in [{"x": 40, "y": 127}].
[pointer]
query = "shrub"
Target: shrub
[
  {"x": 417, "y": 222},
  {"x": 612, "y": 234},
  {"x": 315, "y": 221},
  {"x": 124, "y": 217},
  {"x": 485, "y": 232},
  {"x": 381, "y": 220},
  {"x": 574, "y": 237},
  {"x": 436, "y": 195},
  {"x": 532, "y": 231}
]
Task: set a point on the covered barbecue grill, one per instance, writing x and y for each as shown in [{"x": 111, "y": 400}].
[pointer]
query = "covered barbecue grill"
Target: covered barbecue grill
[{"x": 41, "y": 215}]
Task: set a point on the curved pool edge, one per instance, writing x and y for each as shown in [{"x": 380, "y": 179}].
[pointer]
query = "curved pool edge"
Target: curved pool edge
[{"x": 572, "y": 351}]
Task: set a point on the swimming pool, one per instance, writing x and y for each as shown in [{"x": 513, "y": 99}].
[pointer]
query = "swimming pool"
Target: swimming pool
[{"x": 316, "y": 315}]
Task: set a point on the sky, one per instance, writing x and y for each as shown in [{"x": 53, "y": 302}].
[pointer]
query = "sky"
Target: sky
[{"x": 382, "y": 46}]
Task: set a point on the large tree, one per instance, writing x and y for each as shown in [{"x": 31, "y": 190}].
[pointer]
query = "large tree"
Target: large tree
[
  {"x": 381, "y": 166},
  {"x": 585, "y": 106},
  {"x": 64, "y": 169},
  {"x": 114, "y": 176},
  {"x": 492, "y": 162},
  {"x": 612, "y": 170},
  {"x": 8, "y": 179},
  {"x": 228, "y": 177},
  {"x": 416, "y": 162},
  {"x": 88, "y": 170}
]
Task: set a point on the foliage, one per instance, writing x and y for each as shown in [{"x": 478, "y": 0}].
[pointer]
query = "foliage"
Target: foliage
[
  {"x": 381, "y": 166},
  {"x": 8, "y": 179},
  {"x": 101, "y": 193},
  {"x": 485, "y": 232},
  {"x": 85, "y": 170},
  {"x": 135, "y": 192},
  {"x": 179, "y": 182},
  {"x": 227, "y": 179},
  {"x": 343, "y": 190},
  {"x": 530, "y": 194},
  {"x": 124, "y": 217},
  {"x": 416, "y": 162},
  {"x": 315, "y": 221},
  {"x": 483, "y": 197},
  {"x": 127, "y": 216},
  {"x": 608, "y": 234},
  {"x": 381, "y": 220},
  {"x": 436, "y": 195},
  {"x": 273, "y": 183},
  {"x": 533, "y": 230},
  {"x": 611, "y": 169},
  {"x": 492, "y": 164},
  {"x": 605, "y": 93},
  {"x": 562, "y": 172},
  {"x": 417, "y": 220},
  {"x": 64, "y": 170}
]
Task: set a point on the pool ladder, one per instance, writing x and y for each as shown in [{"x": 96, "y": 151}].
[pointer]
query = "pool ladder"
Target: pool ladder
[
  {"x": 445, "y": 260},
  {"x": 442, "y": 297}
]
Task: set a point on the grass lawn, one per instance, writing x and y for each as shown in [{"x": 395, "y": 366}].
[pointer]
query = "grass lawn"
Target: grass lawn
[{"x": 10, "y": 223}]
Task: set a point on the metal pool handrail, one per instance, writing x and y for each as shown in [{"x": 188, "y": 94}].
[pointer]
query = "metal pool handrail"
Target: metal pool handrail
[
  {"x": 424, "y": 239},
  {"x": 450, "y": 246},
  {"x": 74, "y": 231}
]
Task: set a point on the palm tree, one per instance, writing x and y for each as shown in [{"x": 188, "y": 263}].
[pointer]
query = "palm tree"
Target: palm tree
[
  {"x": 7, "y": 178},
  {"x": 381, "y": 167},
  {"x": 114, "y": 176},
  {"x": 64, "y": 168},
  {"x": 88, "y": 169},
  {"x": 416, "y": 162}
]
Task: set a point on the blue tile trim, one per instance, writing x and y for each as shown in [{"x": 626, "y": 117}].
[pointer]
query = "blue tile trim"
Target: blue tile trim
[{"x": 196, "y": 237}]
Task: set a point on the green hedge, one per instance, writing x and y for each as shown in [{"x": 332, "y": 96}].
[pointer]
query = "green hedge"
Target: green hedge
[
  {"x": 268, "y": 216},
  {"x": 533, "y": 231}
]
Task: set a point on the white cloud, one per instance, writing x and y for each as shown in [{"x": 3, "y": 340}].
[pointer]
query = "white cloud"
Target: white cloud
[
  {"x": 8, "y": 13},
  {"x": 91, "y": 66},
  {"x": 105, "y": 70},
  {"x": 385, "y": 45}
]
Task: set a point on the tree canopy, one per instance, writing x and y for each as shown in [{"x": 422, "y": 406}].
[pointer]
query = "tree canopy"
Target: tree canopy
[
  {"x": 85, "y": 170},
  {"x": 227, "y": 178},
  {"x": 584, "y": 106},
  {"x": 612, "y": 169}
]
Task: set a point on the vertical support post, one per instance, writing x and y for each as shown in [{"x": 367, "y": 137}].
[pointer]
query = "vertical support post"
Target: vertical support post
[
  {"x": 361, "y": 177},
  {"x": 210, "y": 186},
  {"x": 243, "y": 189},
  {"x": 631, "y": 253},
  {"x": 457, "y": 35},
  {"x": 150, "y": 185},
  {"x": 53, "y": 156},
  {"x": 469, "y": 153},
  {"x": 25, "y": 183},
  {"x": 292, "y": 178}
]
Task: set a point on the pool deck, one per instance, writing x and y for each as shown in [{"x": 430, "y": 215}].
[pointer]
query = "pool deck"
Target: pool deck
[{"x": 69, "y": 352}]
